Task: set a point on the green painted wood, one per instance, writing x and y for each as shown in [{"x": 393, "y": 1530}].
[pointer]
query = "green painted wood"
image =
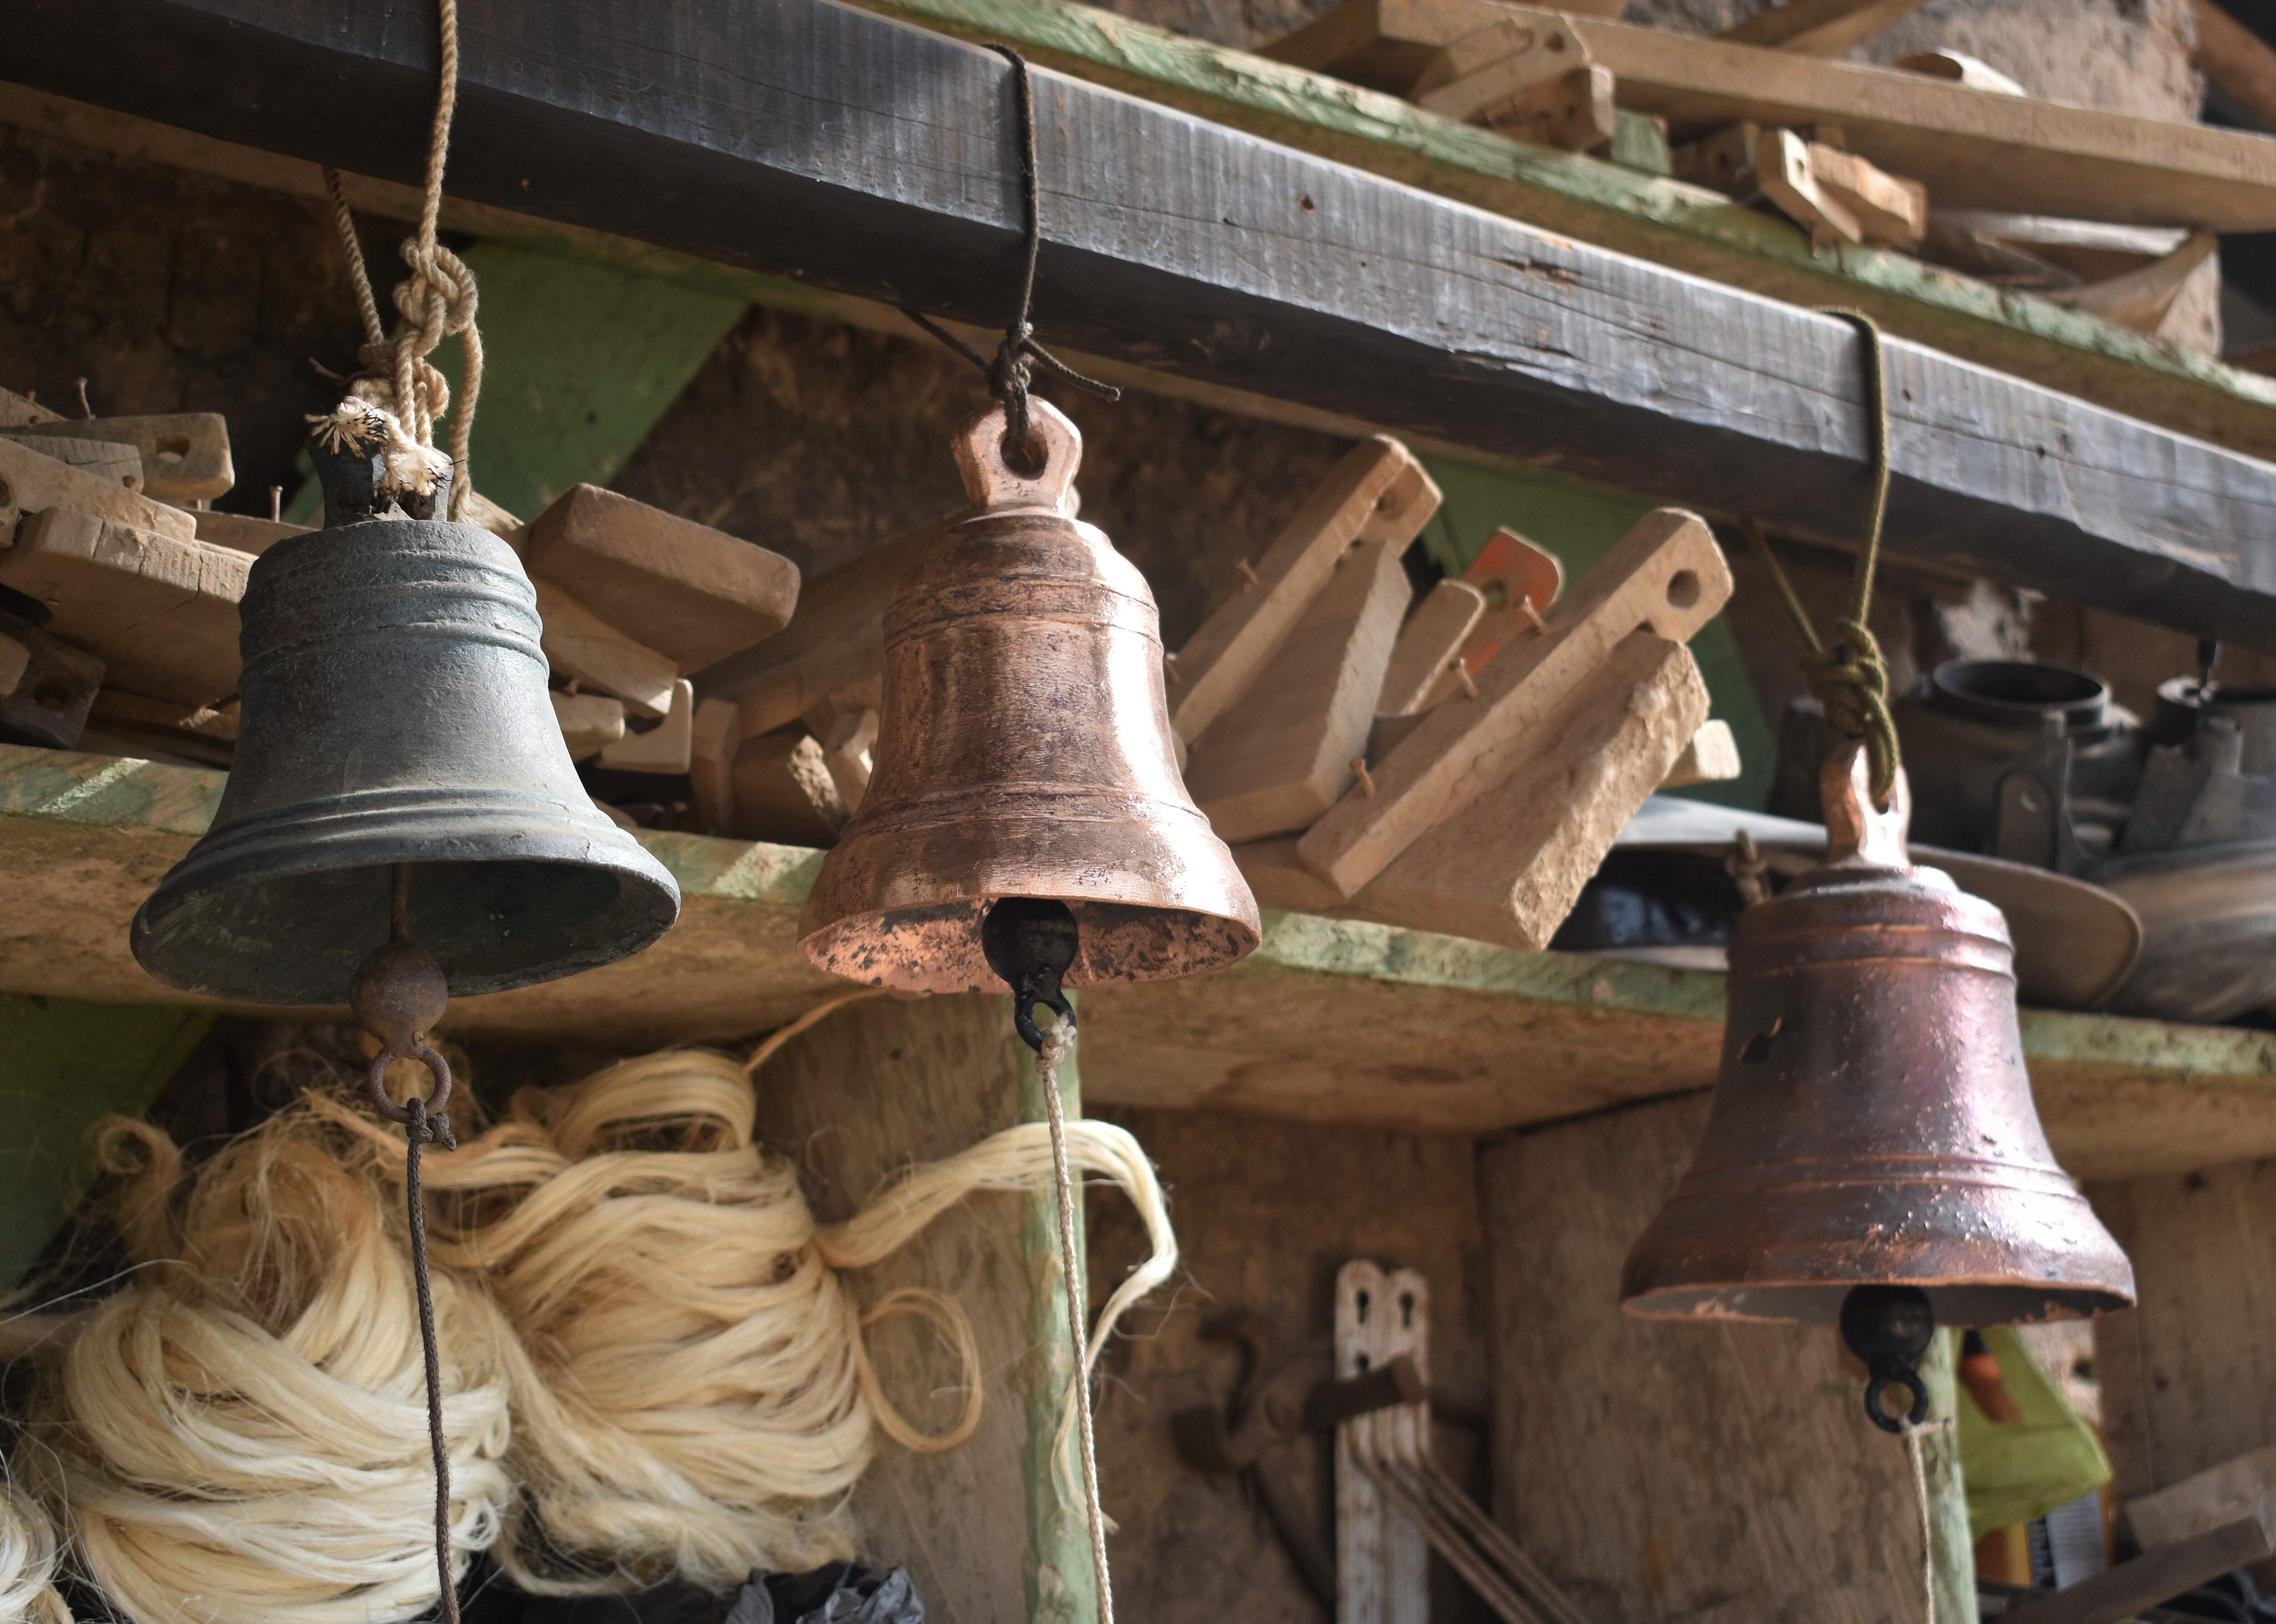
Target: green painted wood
[
  {"x": 1667, "y": 221},
  {"x": 580, "y": 356},
  {"x": 1579, "y": 521},
  {"x": 63, "y": 1066},
  {"x": 1061, "y": 1585},
  {"x": 1952, "y": 1545}
]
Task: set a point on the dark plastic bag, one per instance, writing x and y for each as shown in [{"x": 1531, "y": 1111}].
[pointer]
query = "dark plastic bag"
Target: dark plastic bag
[{"x": 838, "y": 1594}]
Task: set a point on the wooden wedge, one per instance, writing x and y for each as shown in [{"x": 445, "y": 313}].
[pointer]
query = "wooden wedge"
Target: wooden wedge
[
  {"x": 30, "y": 481},
  {"x": 692, "y": 592},
  {"x": 1429, "y": 642},
  {"x": 580, "y": 644},
  {"x": 591, "y": 722},
  {"x": 159, "y": 611},
  {"x": 1378, "y": 492},
  {"x": 1711, "y": 758},
  {"x": 664, "y": 748},
  {"x": 1666, "y": 574},
  {"x": 1283, "y": 753},
  {"x": 1509, "y": 868},
  {"x": 784, "y": 791},
  {"x": 184, "y": 454}
]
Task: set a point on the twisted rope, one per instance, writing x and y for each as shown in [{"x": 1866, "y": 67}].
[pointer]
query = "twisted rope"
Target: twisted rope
[
  {"x": 1849, "y": 675},
  {"x": 438, "y": 300}
]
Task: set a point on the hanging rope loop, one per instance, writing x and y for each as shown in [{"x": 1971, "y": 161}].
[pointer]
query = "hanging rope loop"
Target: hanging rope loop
[
  {"x": 1848, "y": 674},
  {"x": 438, "y": 300},
  {"x": 1011, "y": 375}
]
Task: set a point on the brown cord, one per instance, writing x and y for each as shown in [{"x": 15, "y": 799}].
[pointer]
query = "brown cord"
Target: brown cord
[
  {"x": 1850, "y": 677},
  {"x": 1010, "y": 376},
  {"x": 421, "y": 1130}
]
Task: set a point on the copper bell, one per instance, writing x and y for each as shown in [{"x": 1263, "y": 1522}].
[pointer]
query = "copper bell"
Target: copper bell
[
  {"x": 395, "y": 714},
  {"x": 1872, "y": 1127},
  {"x": 1024, "y": 751}
]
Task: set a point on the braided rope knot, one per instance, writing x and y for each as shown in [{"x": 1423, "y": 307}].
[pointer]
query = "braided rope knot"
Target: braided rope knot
[{"x": 1850, "y": 678}]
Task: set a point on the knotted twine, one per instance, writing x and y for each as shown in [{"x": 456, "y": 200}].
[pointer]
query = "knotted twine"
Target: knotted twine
[
  {"x": 1848, "y": 674},
  {"x": 436, "y": 302}
]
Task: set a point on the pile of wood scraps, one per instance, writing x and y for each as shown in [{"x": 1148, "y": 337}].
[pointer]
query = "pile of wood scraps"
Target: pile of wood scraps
[
  {"x": 1942, "y": 156},
  {"x": 1457, "y": 759},
  {"x": 119, "y": 589},
  {"x": 1465, "y": 767}
]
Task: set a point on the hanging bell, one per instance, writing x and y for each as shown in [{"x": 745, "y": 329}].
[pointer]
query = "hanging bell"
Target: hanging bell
[
  {"x": 394, "y": 712},
  {"x": 1024, "y": 751},
  {"x": 1873, "y": 1127}
]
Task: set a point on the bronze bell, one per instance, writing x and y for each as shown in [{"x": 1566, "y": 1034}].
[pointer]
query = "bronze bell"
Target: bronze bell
[
  {"x": 1872, "y": 1127},
  {"x": 1024, "y": 751},
  {"x": 395, "y": 713}
]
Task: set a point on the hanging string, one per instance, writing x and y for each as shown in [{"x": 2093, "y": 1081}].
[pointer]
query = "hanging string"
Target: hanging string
[
  {"x": 436, "y": 302},
  {"x": 1057, "y": 1041},
  {"x": 1011, "y": 375},
  {"x": 1849, "y": 675},
  {"x": 1917, "y": 1457}
]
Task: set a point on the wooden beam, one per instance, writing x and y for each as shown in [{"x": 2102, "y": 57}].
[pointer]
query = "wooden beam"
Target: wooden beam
[
  {"x": 1819, "y": 28},
  {"x": 2236, "y": 59},
  {"x": 1971, "y": 148},
  {"x": 701, "y": 129}
]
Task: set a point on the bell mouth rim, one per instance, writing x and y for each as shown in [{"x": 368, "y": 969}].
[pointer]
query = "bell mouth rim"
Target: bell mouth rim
[
  {"x": 1989, "y": 1301},
  {"x": 832, "y": 946}
]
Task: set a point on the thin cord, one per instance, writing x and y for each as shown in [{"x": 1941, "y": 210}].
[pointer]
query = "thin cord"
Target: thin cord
[
  {"x": 417, "y": 1131},
  {"x": 1056, "y": 1043},
  {"x": 1010, "y": 377},
  {"x": 1850, "y": 677}
]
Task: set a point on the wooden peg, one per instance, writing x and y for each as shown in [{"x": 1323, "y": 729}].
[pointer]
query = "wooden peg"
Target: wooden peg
[
  {"x": 784, "y": 791},
  {"x": 1666, "y": 574},
  {"x": 716, "y": 735},
  {"x": 591, "y": 722},
  {"x": 665, "y": 747},
  {"x": 1427, "y": 645},
  {"x": 1573, "y": 111},
  {"x": 1711, "y": 758}
]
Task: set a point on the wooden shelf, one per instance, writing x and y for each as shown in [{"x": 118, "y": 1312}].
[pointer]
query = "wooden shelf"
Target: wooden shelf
[{"x": 1328, "y": 1022}]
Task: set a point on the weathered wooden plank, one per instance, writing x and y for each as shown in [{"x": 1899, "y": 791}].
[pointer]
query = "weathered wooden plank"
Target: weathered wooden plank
[
  {"x": 1329, "y": 1021},
  {"x": 696, "y": 127}
]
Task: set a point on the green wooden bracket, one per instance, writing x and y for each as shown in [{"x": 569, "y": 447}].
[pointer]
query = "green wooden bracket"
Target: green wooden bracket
[
  {"x": 1061, "y": 1587},
  {"x": 1579, "y": 521},
  {"x": 64, "y": 1064}
]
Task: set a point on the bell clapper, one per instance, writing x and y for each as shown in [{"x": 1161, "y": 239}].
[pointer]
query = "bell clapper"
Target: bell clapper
[
  {"x": 1030, "y": 941},
  {"x": 1890, "y": 1328}
]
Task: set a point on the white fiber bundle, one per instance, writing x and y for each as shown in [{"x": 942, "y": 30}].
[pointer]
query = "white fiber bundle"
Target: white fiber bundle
[
  {"x": 28, "y": 1563},
  {"x": 240, "y": 1433},
  {"x": 696, "y": 1399}
]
